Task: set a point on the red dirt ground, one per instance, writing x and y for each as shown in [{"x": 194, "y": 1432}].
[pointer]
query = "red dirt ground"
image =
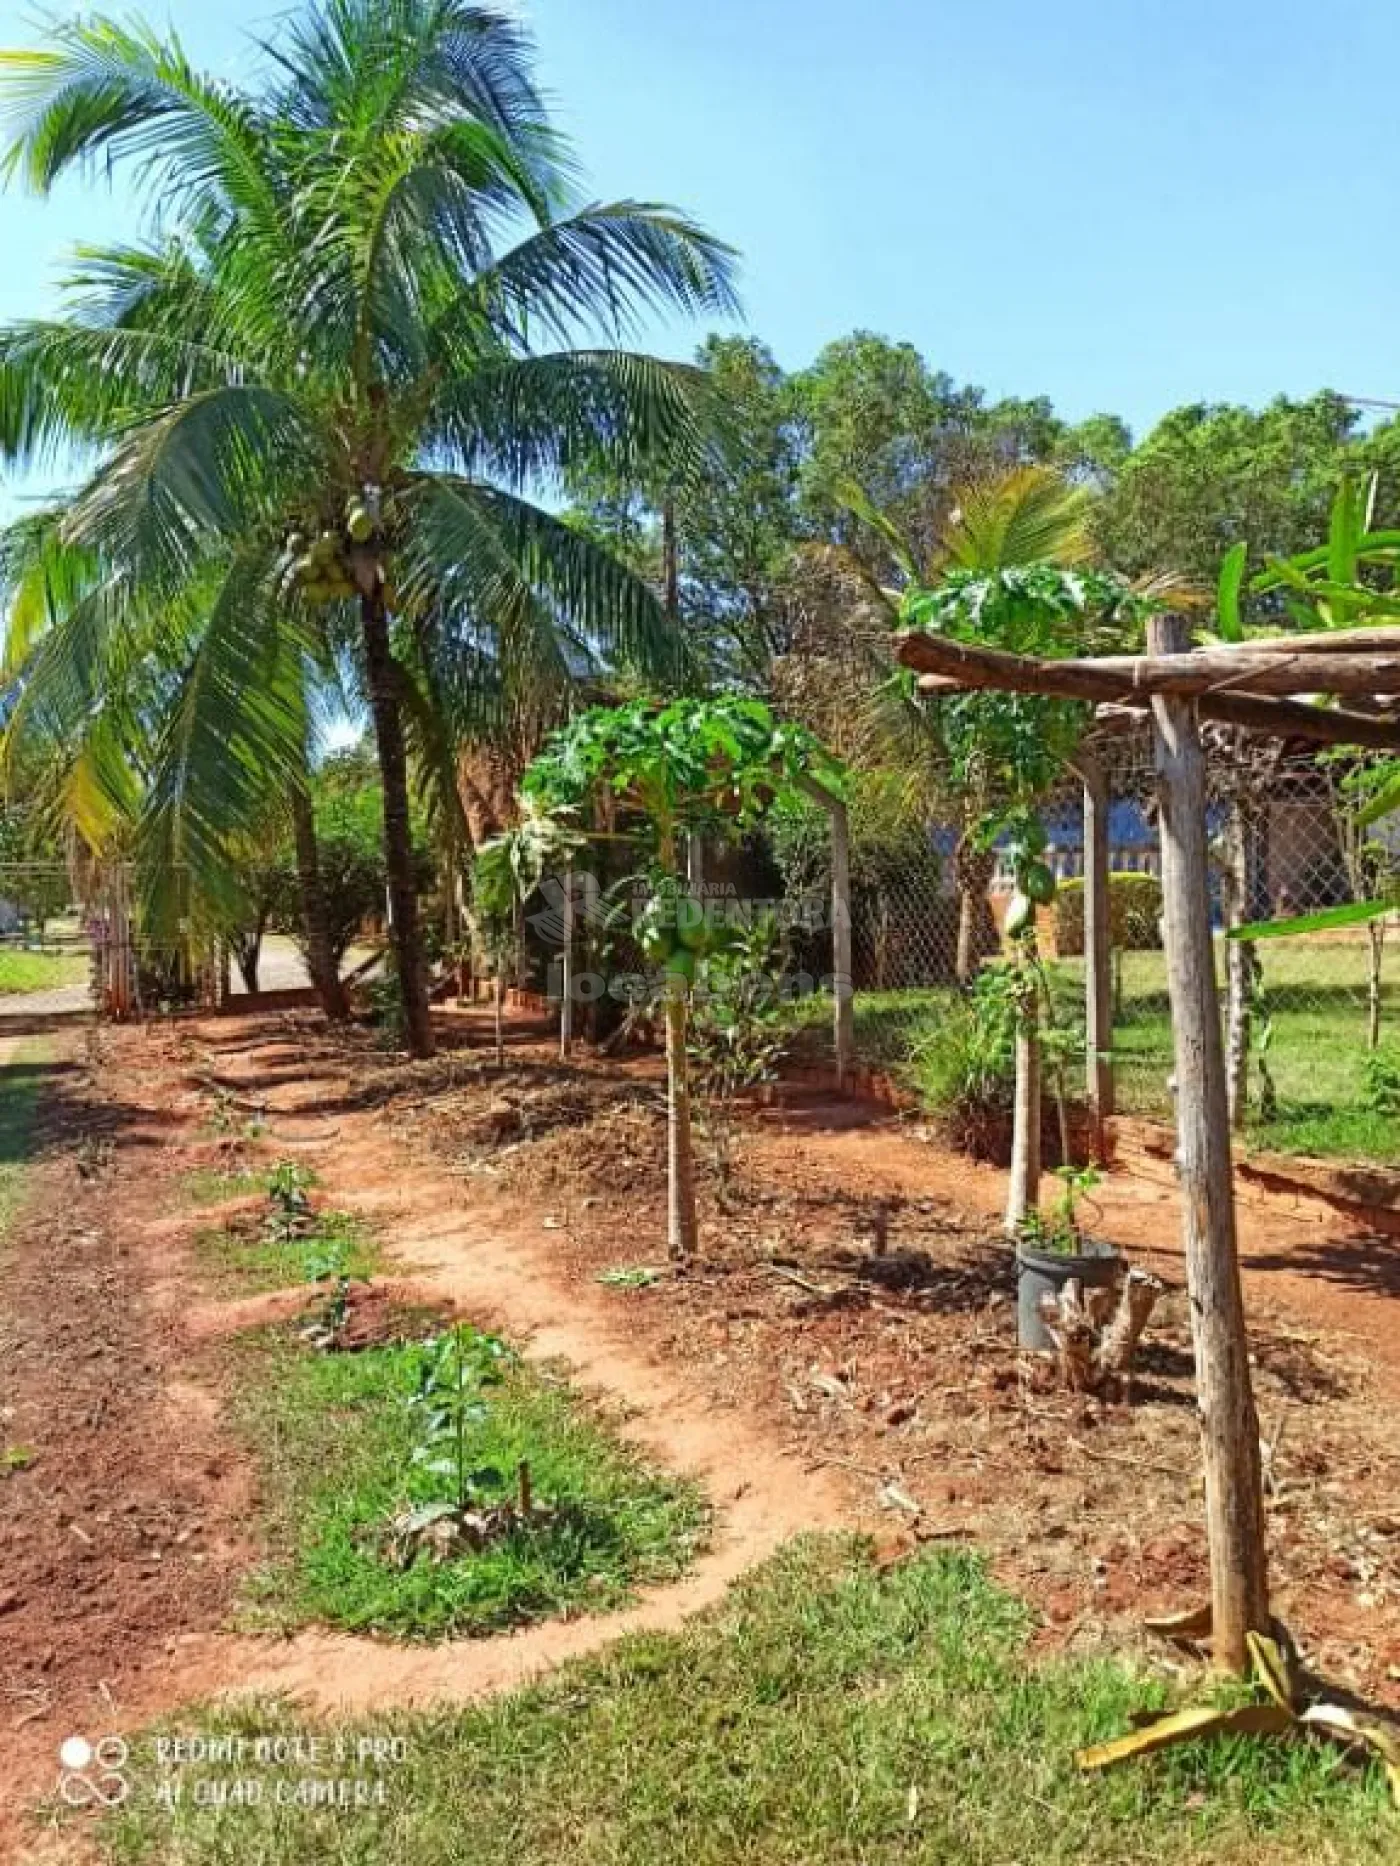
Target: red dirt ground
[{"x": 807, "y": 1381}]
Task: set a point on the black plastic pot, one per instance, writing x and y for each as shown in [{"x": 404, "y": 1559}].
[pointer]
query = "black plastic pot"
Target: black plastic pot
[{"x": 1045, "y": 1273}]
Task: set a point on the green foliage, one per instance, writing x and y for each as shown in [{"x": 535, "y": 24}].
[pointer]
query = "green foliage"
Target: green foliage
[
  {"x": 335, "y": 1437},
  {"x": 1209, "y": 476},
  {"x": 1382, "y": 1083},
  {"x": 710, "y": 763},
  {"x": 832, "y": 1711},
  {"x": 293, "y": 1244},
  {"x": 1058, "y": 1231},
  {"x": 1134, "y": 914},
  {"x": 1007, "y": 748},
  {"x": 736, "y": 1038},
  {"x": 455, "y": 1373},
  {"x": 965, "y": 1068}
]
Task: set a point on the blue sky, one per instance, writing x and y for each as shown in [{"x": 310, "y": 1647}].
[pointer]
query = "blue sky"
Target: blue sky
[{"x": 1123, "y": 204}]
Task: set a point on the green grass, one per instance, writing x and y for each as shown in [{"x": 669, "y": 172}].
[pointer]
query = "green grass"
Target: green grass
[
  {"x": 39, "y": 971},
  {"x": 209, "y": 1185},
  {"x": 1316, "y": 992},
  {"x": 826, "y": 1715},
  {"x": 335, "y": 1437},
  {"x": 337, "y": 1244},
  {"x": 20, "y": 1076},
  {"x": 1317, "y": 997}
]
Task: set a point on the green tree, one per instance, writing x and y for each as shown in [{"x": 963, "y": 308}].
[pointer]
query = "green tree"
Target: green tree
[
  {"x": 316, "y": 393},
  {"x": 716, "y": 765},
  {"x": 1210, "y": 475}
]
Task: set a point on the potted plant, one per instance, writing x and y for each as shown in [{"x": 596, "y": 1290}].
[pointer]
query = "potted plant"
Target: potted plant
[{"x": 1053, "y": 1249}]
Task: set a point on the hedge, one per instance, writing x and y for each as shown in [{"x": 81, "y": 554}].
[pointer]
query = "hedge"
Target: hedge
[{"x": 1134, "y": 914}]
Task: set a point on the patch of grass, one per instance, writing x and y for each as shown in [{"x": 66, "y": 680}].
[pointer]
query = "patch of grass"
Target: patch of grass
[
  {"x": 827, "y": 1714},
  {"x": 39, "y": 971},
  {"x": 336, "y": 1435},
  {"x": 251, "y": 1260},
  {"x": 209, "y": 1185},
  {"x": 1316, "y": 992},
  {"x": 20, "y": 1075}
]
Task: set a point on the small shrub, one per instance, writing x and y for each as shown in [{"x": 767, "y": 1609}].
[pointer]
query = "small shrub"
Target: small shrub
[
  {"x": 1134, "y": 914},
  {"x": 965, "y": 1071},
  {"x": 736, "y": 1038},
  {"x": 1382, "y": 1090}
]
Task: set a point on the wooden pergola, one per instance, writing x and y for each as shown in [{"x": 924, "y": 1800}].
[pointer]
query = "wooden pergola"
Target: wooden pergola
[{"x": 1337, "y": 688}]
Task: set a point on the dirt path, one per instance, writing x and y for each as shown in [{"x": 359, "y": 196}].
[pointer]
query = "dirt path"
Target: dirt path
[
  {"x": 1298, "y": 1252},
  {"x": 495, "y": 1263},
  {"x": 123, "y": 1540},
  {"x": 121, "y": 1532},
  {"x": 124, "y": 1537}
]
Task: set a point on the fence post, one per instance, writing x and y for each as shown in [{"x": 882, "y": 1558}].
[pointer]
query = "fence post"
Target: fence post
[
  {"x": 1098, "y": 949},
  {"x": 566, "y": 1007},
  {"x": 1225, "y": 1398},
  {"x": 843, "y": 981}
]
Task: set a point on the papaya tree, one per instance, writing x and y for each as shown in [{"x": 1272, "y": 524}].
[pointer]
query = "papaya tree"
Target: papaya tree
[
  {"x": 662, "y": 773},
  {"x": 1009, "y": 750}
]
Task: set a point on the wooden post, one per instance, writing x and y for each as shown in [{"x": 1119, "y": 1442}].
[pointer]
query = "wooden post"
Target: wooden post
[
  {"x": 566, "y": 1007},
  {"x": 1023, "y": 1186},
  {"x": 1098, "y": 951},
  {"x": 1229, "y": 1423},
  {"x": 843, "y": 978}
]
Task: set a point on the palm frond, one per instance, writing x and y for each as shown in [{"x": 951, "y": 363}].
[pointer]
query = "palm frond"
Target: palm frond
[
  {"x": 195, "y": 481},
  {"x": 1029, "y": 515},
  {"x": 236, "y": 736},
  {"x": 608, "y": 266},
  {"x": 104, "y": 90},
  {"x": 541, "y": 418}
]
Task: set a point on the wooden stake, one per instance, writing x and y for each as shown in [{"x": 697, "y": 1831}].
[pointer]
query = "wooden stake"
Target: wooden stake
[
  {"x": 843, "y": 982},
  {"x": 1098, "y": 950},
  {"x": 566, "y": 1006},
  {"x": 1023, "y": 1186},
  {"x": 1229, "y": 1423}
]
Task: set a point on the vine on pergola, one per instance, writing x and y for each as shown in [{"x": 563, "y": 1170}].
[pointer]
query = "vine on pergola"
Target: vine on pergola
[{"x": 665, "y": 772}]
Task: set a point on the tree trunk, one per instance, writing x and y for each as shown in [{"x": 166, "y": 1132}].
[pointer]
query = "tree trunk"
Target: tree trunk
[
  {"x": 1023, "y": 1193},
  {"x": 499, "y": 1000},
  {"x": 975, "y": 868},
  {"x": 682, "y": 1229},
  {"x": 320, "y": 952},
  {"x": 1375, "y": 939},
  {"x": 398, "y": 841},
  {"x": 246, "y": 955},
  {"x": 1239, "y": 965},
  {"x": 1229, "y": 1422}
]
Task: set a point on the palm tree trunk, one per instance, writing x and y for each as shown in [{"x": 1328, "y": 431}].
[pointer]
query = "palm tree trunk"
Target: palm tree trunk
[
  {"x": 398, "y": 841},
  {"x": 320, "y": 954},
  {"x": 973, "y": 869}
]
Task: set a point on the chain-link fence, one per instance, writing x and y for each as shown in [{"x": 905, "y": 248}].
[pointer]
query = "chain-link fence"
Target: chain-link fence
[{"x": 1312, "y": 1020}]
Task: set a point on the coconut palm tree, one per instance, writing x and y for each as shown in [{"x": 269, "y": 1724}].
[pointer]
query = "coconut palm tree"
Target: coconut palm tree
[{"x": 323, "y": 399}]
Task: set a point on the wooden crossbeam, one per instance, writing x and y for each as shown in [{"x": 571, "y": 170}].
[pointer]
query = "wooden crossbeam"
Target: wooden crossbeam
[{"x": 1212, "y": 677}]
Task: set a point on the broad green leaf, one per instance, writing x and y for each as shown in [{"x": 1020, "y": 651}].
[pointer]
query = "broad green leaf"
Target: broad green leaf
[
  {"x": 1386, "y": 799},
  {"x": 1350, "y": 914},
  {"x": 1227, "y": 597}
]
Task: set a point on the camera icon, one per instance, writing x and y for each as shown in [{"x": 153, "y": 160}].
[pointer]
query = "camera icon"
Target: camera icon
[{"x": 93, "y": 1774}]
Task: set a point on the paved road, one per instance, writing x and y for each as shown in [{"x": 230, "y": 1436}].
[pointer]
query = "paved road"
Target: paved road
[{"x": 282, "y": 969}]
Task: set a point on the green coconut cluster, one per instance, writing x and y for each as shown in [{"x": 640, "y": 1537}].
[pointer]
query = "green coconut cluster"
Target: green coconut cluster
[{"x": 321, "y": 563}]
